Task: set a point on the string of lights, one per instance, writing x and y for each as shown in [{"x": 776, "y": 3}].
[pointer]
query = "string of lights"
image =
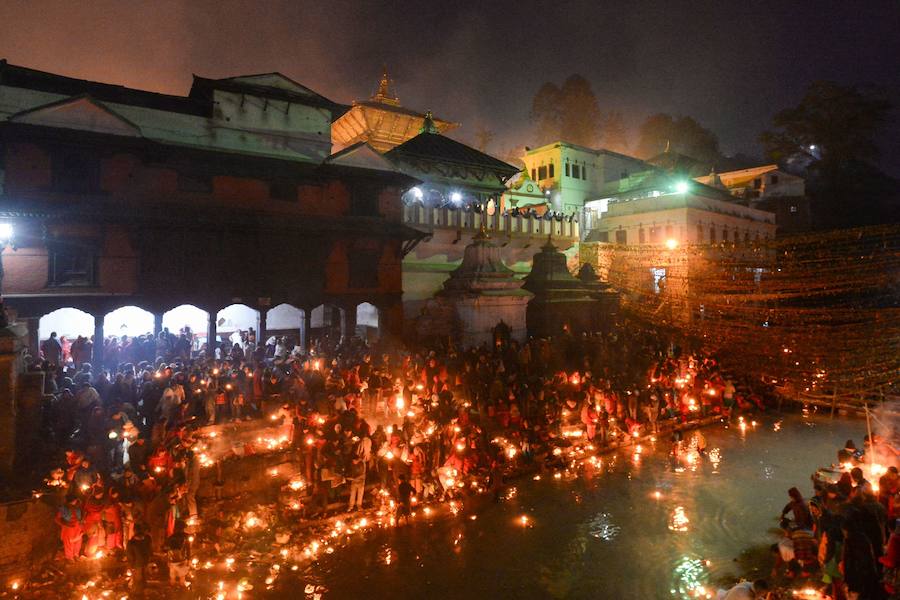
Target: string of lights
[{"x": 814, "y": 312}]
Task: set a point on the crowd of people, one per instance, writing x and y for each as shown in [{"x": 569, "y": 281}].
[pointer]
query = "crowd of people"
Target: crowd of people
[
  {"x": 848, "y": 532},
  {"x": 366, "y": 426}
]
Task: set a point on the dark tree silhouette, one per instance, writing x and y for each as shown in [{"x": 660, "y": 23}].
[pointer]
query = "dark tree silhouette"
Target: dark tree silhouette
[
  {"x": 569, "y": 113},
  {"x": 829, "y": 138},
  {"x": 681, "y": 134}
]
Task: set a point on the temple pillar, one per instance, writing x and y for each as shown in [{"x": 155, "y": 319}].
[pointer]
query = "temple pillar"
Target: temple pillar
[
  {"x": 157, "y": 323},
  {"x": 211, "y": 342},
  {"x": 97, "y": 358},
  {"x": 261, "y": 327},
  {"x": 34, "y": 343},
  {"x": 11, "y": 341},
  {"x": 305, "y": 329},
  {"x": 348, "y": 323}
]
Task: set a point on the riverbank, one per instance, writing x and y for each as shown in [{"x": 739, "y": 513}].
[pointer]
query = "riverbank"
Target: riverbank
[
  {"x": 651, "y": 526},
  {"x": 256, "y": 546}
]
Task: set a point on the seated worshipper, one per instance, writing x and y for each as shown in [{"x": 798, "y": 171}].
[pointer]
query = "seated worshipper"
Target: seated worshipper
[
  {"x": 797, "y": 549},
  {"x": 798, "y": 507}
]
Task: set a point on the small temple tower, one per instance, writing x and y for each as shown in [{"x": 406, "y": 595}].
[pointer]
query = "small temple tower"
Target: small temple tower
[
  {"x": 561, "y": 302},
  {"x": 480, "y": 294}
]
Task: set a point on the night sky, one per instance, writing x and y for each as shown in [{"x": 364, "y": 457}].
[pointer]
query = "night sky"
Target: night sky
[{"x": 731, "y": 65}]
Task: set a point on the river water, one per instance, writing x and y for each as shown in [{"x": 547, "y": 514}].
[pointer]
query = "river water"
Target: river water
[{"x": 641, "y": 527}]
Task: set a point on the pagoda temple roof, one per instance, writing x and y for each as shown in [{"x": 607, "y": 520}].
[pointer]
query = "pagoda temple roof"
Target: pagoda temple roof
[
  {"x": 403, "y": 111},
  {"x": 434, "y": 147}
]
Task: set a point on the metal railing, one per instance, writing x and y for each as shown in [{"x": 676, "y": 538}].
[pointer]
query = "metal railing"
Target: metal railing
[{"x": 430, "y": 218}]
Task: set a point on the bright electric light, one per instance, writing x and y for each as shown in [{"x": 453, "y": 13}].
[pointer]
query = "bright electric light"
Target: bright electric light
[
  {"x": 671, "y": 243},
  {"x": 6, "y": 232},
  {"x": 681, "y": 187},
  {"x": 812, "y": 147},
  {"x": 456, "y": 197},
  {"x": 417, "y": 193}
]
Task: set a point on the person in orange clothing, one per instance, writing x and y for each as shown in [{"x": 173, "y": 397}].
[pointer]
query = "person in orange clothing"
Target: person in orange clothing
[
  {"x": 94, "y": 507},
  {"x": 69, "y": 519}
]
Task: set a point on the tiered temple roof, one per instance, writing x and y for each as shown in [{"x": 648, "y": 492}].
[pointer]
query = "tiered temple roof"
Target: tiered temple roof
[{"x": 382, "y": 121}]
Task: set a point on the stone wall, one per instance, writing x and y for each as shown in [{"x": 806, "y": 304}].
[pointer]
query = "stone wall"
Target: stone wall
[
  {"x": 255, "y": 473},
  {"x": 29, "y": 538}
]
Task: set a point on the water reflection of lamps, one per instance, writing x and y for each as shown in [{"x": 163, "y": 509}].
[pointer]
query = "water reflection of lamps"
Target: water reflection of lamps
[{"x": 6, "y": 239}]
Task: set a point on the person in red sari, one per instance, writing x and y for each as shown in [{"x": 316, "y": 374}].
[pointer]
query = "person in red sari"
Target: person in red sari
[
  {"x": 69, "y": 519},
  {"x": 94, "y": 506}
]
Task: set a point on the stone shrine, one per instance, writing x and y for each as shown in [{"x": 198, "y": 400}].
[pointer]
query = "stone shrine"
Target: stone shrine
[
  {"x": 561, "y": 302},
  {"x": 480, "y": 294}
]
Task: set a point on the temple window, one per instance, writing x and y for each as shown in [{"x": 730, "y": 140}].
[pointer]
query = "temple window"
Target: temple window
[{"x": 71, "y": 265}]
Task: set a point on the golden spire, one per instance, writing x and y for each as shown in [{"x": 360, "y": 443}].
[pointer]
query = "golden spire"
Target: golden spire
[{"x": 383, "y": 94}]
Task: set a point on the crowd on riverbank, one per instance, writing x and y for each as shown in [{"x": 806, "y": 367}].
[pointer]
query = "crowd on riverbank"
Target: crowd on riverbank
[
  {"x": 846, "y": 534},
  {"x": 383, "y": 428}
]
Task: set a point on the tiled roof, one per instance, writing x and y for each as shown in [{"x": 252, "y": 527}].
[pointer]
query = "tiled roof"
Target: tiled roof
[
  {"x": 202, "y": 89},
  {"x": 438, "y": 148},
  {"x": 23, "y": 77}
]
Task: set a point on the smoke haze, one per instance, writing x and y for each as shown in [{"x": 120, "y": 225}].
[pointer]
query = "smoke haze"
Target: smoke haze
[{"x": 731, "y": 65}]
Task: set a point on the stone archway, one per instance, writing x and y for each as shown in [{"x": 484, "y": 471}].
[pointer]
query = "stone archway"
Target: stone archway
[
  {"x": 187, "y": 318},
  {"x": 128, "y": 321},
  {"x": 69, "y": 326},
  {"x": 367, "y": 321}
]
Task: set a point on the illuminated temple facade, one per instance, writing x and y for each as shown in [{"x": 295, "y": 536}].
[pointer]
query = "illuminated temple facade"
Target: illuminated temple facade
[
  {"x": 460, "y": 191},
  {"x": 228, "y": 196}
]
